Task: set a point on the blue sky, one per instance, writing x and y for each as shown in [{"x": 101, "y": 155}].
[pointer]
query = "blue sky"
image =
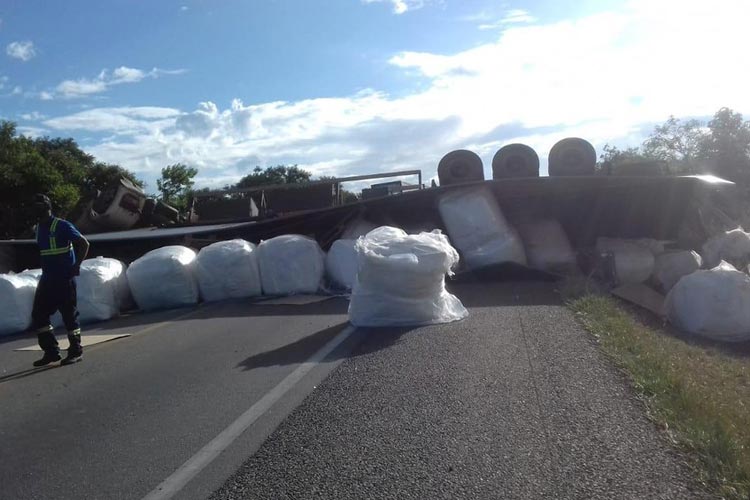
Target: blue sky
[{"x": 352, "y": 86}]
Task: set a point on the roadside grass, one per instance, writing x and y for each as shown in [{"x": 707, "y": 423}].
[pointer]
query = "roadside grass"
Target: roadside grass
[{"x": 699, "y": 394}]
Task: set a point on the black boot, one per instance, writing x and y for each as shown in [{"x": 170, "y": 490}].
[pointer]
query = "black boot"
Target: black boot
[
  {"x": 49, "y": 357},
  {"x": 48, "y": 343},
  {"x": 75, "y": 351}
]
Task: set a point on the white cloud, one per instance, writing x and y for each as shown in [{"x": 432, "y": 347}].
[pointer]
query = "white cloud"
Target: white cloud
[
  {"x": 32, "y": 132},
  {"x": 24, "y": 51},
  {"x": 84, "y": 86},
  {"x": 33, "y": 116},
  {"x": 400, "y": 6},
  {"x": 46, "y": 96},
  {"x": 184, "y": 8},
  {"x": 603, "y": 77},
  {"x": 514, "y": 16}
]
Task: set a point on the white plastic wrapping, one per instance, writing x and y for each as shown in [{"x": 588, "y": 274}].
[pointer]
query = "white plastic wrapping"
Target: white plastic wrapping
[
  {"x": 291, "y": 264},
  {"x": 102, "y": 289},
  {"x": 341, "y": 264},
  {"x": 478, "y": 228},
  {"x": 672, "y": 266},
  {"x": 228, "y": 269},
  {"x": 547, "y": 246},
  {"x": 164, "y": 278},
  {"x": 634, "y": 262},
  {"x": 712, "y": 303},
  {"x": 732, "y": 246},
  {"x": 16, "y": 302},
  {"x": 401, "y": 280}
]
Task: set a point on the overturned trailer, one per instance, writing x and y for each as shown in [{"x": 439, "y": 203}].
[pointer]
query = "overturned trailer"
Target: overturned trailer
[{"x": 686, "y": 210}]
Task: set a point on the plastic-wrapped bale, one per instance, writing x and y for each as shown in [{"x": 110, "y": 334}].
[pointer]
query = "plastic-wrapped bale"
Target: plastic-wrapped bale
[
  {"x": 16, "y": 301},
  {"x": 401, "y": 280},
  {"x": 164, "y": 278},
  {"x": 732, "y": 246},
  {"x": 712, "y": 303},
  {"x": 634, "y": 262},
  {"x": 103, "y": 289},
  {"x": 341, "y": 264},
  {"x": 672, "y": 266},
  {"x": 547, "y": 246},
  {"x": 291, "y": 264},
  {"x": 227, "y": 270},
  {"x": 478, "y": 228}
]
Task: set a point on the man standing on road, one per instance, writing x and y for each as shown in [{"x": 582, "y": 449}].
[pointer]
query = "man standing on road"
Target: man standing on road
[{"x": 62, "y": 249}]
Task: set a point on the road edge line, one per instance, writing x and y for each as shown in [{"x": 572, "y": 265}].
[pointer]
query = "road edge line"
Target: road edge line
[{"x": 195, "y": 464}]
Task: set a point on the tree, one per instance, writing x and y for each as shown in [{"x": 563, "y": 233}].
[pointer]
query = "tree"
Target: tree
[
  {"x": 727, "y": 147},
  {"x": 722, "y": 148},
  {"x": 675, "y": 140},
  {"x": 280, "y": 174},
  {"x": 613, "y": 156},
  {"x": 57, "y": 167},
  {"x": 175, "y": 184}
]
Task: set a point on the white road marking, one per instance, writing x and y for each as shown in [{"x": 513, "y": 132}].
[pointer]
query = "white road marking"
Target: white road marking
[{"x": 187, "y": 471}]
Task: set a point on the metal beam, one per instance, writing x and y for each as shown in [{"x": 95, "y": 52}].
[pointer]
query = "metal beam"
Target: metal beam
[{"x": 296, "y": 185}]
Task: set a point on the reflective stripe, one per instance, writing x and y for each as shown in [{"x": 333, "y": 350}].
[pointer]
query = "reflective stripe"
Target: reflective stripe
[
  {"x": 56, "y": 251},
  {"x": 77, "y": 331},
  {"x": 52, "y": 239},
  {"x": 45, "y": 329}
]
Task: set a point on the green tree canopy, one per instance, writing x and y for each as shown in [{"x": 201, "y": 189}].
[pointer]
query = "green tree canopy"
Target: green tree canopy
[
  {"x": 175, "y": 184},
  {"x": 57, "y": 167},
  {"x": 280, "y": 174},
  {"x": 721, "y": 147}
]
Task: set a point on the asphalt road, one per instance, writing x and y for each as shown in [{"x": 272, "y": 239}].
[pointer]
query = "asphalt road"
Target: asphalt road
[
  {"x": 124, "y": 419},
  {"x": 514, "y": 402}
]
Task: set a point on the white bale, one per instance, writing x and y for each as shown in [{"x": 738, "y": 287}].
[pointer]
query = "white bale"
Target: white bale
[
  {"x": 732, "y": 246},
  {"x": 401, "y": 280},
  {"x": 712, "y": 303},
  {"x": 33, "y": 273},
  {"x": 671, "y": 266},
  {"x": 164, "y": 278},
  {"x": 16, "y": 302},
  {"x": 478, "y": 228},
  {"x": 291, "y": 264},
  {"x": 341, "y": 264},
  {"x": 228, "y": 269},
  {"x": 102, "y": 289},
  {"x": 547, "y": 246},
  {"x": 634, "y": 262}
]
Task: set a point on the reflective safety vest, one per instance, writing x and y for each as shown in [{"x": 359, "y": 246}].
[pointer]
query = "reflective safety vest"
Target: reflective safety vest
[{"x": 54, "y": 248}]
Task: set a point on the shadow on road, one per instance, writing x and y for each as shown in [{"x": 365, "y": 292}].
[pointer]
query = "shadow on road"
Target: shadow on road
[{"x": 363, "y": 341}]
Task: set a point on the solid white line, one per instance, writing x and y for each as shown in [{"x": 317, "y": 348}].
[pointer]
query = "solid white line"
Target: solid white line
[{"x": 187, "y": 471}]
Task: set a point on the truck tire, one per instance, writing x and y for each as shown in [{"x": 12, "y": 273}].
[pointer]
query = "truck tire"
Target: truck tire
[
  {"x": 460, "y": 166},
  {"x": 572, "y": 156},
  {"x": 515, "y": 160}
]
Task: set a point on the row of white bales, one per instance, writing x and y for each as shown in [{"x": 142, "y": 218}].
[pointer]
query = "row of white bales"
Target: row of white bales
[{"x": 401, "y": 287}]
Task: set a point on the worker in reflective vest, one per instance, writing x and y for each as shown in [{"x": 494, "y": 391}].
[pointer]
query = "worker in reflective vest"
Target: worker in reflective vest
[{"x": 62, "y": 250}]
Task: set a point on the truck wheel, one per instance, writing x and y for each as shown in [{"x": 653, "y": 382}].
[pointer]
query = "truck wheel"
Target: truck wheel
[
  {"x": 572, "y": 156},
  {"x": 460, "y": 166},
  {"x": 515, "y": 160}
]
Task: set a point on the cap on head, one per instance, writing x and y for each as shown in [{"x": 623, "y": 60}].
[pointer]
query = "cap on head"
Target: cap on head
[{"x": 41, "y": 200}]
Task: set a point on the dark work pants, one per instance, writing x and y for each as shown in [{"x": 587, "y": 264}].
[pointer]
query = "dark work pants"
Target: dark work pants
[{"x": 56, "y": 294}]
